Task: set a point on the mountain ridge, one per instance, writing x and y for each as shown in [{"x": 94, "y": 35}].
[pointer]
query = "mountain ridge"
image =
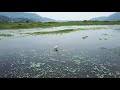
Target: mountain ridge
[
  {"x": 113, "y": 17},
  {"x": 23, "y": 16}
]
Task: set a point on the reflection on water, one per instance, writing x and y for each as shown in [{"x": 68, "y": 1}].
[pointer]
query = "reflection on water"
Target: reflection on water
[{"x": 96, "y": 56}]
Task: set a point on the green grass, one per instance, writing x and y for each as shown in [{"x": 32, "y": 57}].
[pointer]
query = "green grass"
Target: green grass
[
  {"x": 26, "y": 25},
  {"x": 61, "y": 31},
  {"x": 117, "y": 53},
  {"x": 6, "y": 35}
]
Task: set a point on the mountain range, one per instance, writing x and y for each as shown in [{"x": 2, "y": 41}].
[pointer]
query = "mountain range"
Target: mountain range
[
  {"x": 32, "y": 17},
  {"x": 113, "y": 17},
  {"x": 23, "y": 17}
]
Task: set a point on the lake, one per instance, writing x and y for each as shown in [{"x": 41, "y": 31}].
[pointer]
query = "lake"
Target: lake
[{"x": 81, "y": 54}]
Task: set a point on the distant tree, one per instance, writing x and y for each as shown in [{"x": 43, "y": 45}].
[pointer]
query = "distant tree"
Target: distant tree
[
  {"x": 106, "y": 21},
  {"x": 85, "y": 20}
]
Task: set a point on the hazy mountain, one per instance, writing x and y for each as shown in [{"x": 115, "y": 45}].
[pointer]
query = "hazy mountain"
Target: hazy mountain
[
  {"x": 22, "y": 16},
  {"x": 113, "y": 17},
  {"x": 99, "y": 19},
  {"x": 21, "y": 20}
]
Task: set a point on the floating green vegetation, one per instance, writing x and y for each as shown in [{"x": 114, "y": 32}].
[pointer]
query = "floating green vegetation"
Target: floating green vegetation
[
  {"x": 97, "y": 28},
  {"x": 52, "y": 32},
  {"x": 6, "y": 35},
  {"x": 61, "y": 31},
  {"x": 117, "y": 53}
]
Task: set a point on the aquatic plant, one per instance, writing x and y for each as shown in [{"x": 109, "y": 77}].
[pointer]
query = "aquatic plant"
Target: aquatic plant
[
  {"x": 6, "y": 35},
  {"x": 61, "y": 31}
]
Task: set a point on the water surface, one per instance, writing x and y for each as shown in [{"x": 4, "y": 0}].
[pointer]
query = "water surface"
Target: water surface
[{"x": 33, "y": 56}]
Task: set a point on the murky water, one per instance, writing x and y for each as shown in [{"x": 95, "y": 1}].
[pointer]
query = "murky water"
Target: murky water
[{"x": 78, "y": 56}]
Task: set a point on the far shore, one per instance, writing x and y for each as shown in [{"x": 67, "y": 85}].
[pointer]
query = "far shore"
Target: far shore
[{"x": 29, "y": 25}]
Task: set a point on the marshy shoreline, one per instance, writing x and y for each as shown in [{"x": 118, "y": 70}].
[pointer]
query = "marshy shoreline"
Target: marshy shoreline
[{"x": 28, "y": 25}]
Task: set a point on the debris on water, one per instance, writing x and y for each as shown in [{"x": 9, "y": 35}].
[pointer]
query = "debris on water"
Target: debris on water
[
  {"x": 103, "y": 48},
  {"x": 88, "y": 76},
  {"x": 105, "y": 39},
  {"x": 104, "y": 34},
  {"x": 36, "y": 65},
  {"x": 84, "y": 37},
  {"x": 22, "y": 62},
  {"x": 100, "y": 39},
  {"x": 77, "y": 62},
  {"x": 56, "y": 48},
  {"x": 63, "y": 50},
  {"x": 52, "y": 59}
]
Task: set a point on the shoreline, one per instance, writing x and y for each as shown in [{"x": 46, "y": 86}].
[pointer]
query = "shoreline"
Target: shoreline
[{"x": 32, "y": 25}]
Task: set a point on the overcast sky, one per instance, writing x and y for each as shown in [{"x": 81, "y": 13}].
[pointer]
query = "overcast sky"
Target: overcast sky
[{"x": 73, "y": 15}]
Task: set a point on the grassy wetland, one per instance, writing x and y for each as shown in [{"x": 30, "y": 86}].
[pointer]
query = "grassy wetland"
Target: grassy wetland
[{"x": 23, "y": 25}]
